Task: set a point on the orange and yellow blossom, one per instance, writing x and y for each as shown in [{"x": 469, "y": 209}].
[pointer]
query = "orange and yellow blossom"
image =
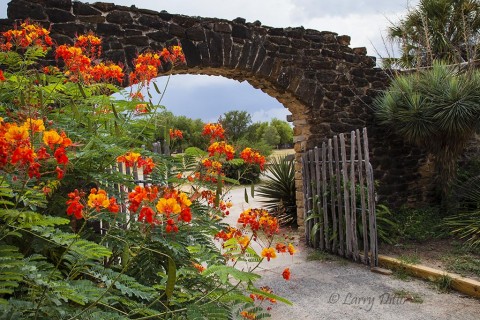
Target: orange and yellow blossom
[
  {"x": 28, "y": 34},
  {"x": 98, "y": 198},
  {"x": 269, "y": 253},
  {"x": 34, "y": 125},
  {"x": 214, "y": 131},
  {"x": 291, "y": 249},
  {"x": 219, "y": 148},
  {"x": 16, "y": 133},
  {"x": 168, "y": 206}
]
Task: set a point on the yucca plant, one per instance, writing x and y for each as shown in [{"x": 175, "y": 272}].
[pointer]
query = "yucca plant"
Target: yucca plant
[
  {"x": 466, "y": 224},
  {"x": 436, "y": 109},
  {"x": 278, "y": 191}
]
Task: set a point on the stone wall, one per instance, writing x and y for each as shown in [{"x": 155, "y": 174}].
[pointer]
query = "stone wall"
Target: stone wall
[{"x": 327, "y": 86}]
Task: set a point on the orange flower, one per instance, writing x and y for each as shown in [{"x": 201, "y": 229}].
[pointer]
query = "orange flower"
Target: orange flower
[
  {"x": 286, "y": 274},
  {"x": 113, "y": 206},
  {"x": 248, "y": 315},
  {"x": 145, "y": 67},
  {"x": 34, "y": 125},
  {"x": 74, "y": 205},
  {"x": 106, "y": 72},
  {"x": 250, "y": 156},
  {"x": 147, "y": 164},
  {"x": 140, "y": 194},
  {"x": 24, "y": 155},
  {"x": 129, "y": 158},
  {"x": 281, "y": 248},
  {"x": 141, "y": 108},
  {"x": 60, "y": 173},
  {"x": 147, "y": 214},
  {"x": 16, "y": 133},
  {"x": 51, "y": 138},
  {"x": 199, "y": 267},
  {"x": 219, "y": 148},
  {"x": 97, "y": 199},
  {"x": 168, "y": 206},
  {"x": 26, "y": 35},
  {"x": 269, "y": 253},
  {"x": 175, "y": 134},
  {"x": 214, "y": 130}
]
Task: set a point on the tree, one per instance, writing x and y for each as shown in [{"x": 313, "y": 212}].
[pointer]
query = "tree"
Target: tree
[
  {"x": 445, "y": 30},
  {"x": 284, "y": 130},
  {"x": 235, "y": 123},
  {"x": 437, "y": 109},
  {"x": 271, "y": 136}
]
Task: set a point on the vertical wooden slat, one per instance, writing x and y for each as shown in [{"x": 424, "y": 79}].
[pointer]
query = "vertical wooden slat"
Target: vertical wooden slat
[
  {"x": 306, "y": 206},
  {"x": 318, "y": 235},
  {"x": 341, "y": 229},
  {"x": 361, "y": 182},
  {"x": 353, "y": 198},
  {"x": 371, "y": 203},
  {"x": 346, "y": 196},
  {"x": 332, "y": 197},
  {"x": 324, "y": 197}
]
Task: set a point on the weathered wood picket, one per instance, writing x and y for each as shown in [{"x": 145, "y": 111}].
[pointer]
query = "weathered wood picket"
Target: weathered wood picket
[{"x": 333, "y": 180}]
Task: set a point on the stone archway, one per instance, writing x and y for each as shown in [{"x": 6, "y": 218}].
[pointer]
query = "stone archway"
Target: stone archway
[{"x": 326, "y": 85}]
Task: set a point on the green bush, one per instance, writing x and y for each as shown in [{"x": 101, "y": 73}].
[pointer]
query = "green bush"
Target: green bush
[{"x": 245, "y": 173}]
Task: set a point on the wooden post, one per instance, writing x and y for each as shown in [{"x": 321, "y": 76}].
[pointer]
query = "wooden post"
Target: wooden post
[
  {"x": 353, "y": 198},
  {"x": 306, "y": 183},
  {"x": 371, "y": 204},
  {"x": 326, "y": 223},
  {"x": 361, "y": 181},
  {"x": 341, "y": 229},
  {"x": 332, "y": 196},
  {"x": 318, "y": 204},
  {"x": 346, "y": 196}
]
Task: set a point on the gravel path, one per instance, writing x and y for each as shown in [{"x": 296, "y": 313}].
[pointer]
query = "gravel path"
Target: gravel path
[{"x": 339, "y": 289}]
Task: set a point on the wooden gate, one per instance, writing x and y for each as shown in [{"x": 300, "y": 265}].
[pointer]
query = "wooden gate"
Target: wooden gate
[{"x": 340, "y": 198}]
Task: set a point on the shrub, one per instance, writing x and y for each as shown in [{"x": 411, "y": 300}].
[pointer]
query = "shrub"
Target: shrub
[{"x": 278, "y": 190}]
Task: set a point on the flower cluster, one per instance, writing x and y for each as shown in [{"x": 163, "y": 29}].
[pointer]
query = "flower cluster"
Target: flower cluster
[
  {"x": 219, "y": 148},
  {"x": 18, "y": 150},
  {"x": 131, "y": 159},
  {"x": 250, "y": 156},
  {"x": 28, "y": 34},
  {"x": 147, "y": 65},
  {"x": 79, "y": 60},
  {"x": 214, "y": 131},
  {"x": 170, "y": 204},
  {"x": 97, "y": 199},
  {"x": 261, "y": 297},
  {"x": 259, "y": 219},
  {"x": 175, "y": 134}
]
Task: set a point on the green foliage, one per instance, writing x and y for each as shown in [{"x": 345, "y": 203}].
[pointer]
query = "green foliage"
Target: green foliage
[
  {"x": 436, "y": 30},
  {"x": 235, "y": 123},
  {"x": 418, "y": 224},
  {"x": 271, "y": 136},
  {"x": 245, "y": 173},
  {"x": 278, "y": 190},
  {"x": 284, "y": 130},
  {"x": 437, "y": 109}
]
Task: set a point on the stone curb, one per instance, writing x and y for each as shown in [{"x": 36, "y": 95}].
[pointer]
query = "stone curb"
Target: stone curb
[{"x": 464, "y": 285}]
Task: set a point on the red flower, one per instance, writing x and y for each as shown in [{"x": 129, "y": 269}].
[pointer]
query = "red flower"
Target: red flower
[
  {"x": 2, "y": 77},
  {"x": 74, "y": 205},
  {"x": 147, "y": 214},
  {"x": 61, "y": 156},
  {"x": 214, "y": 130},
  {"x": 113, "y": 206},
  {"x": 286, "y": 274},
  {"x": 60, "y": 173}
]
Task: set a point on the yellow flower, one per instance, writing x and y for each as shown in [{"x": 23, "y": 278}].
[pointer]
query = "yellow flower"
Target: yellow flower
[
  {"x": 184, "y": 200},
  {"x": 51, "y": 138},
  {"x": 16, "y": 133},
  {"x": 168, "y": 206},
  {"x": 34, "y": 125},
  {"x": 269, "y": 253}
]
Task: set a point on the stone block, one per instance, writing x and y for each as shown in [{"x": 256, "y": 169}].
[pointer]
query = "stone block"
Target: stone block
[
  {"x": 222, "y": 27},
  {"x": 26, "y": 9},
  {"x": 152, "y": 21},
  {"x": 119, "y": 17},
  {"x": 80, "y": 8}
]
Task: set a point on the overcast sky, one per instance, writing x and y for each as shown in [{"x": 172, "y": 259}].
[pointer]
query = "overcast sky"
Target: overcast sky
[{"x": 207, "y": 97}]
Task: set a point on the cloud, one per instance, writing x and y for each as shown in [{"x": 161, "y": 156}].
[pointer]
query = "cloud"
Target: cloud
[{"x": 264, "y": 115}]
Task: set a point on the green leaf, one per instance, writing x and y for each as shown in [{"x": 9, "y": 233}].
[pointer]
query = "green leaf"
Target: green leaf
[{"x": 245, "y": 196}]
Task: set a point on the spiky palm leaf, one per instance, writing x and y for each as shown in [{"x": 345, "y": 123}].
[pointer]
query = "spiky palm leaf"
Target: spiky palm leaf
[{"x": 278, "y": 190}]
